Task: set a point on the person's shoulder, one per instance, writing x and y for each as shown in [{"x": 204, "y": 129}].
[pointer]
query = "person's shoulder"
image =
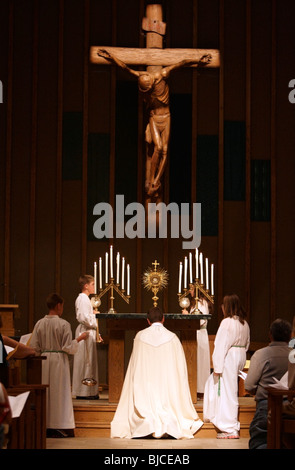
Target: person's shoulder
[
  {"x": 40, "y": 321},
  {"x": 225, "y": 321}
]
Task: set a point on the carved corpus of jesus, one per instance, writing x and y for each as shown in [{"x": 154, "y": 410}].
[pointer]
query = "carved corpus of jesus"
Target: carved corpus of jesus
[
  {"x": 155, "y": 89},
  {"x": 153, "y": 85}
]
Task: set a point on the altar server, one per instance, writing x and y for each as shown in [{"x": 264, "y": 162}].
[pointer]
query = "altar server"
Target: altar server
[
  {"x": 221, "y": 390},
  {"x": 203, "y": 347},
  {"x": 52, "y": 337},
  {"x": 85, "y": 364},
  {"x": 155, "y": 398}
]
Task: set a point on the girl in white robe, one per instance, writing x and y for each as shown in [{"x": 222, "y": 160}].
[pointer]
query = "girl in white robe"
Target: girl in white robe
[
  {"x": 232, "y": 340},
  {"x": 52, "y": 337}
]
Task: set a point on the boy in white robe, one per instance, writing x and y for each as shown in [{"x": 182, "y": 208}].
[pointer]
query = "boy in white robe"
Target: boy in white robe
[
  {"x": 52, "y": 337},
  {"x": 155, "y": 398},
  {"x": 85, "y": 365},
  {"x": 221, "y": 390}
]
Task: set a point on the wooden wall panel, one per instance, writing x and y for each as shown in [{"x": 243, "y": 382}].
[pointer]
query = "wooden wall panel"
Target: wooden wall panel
[
  {"x": 261, "y": 20},
  {"x": 47, "y": 183},
  {"x": 21, "y": 158},
  {"x": 285, "y": 162},
  {"x": 6, "y": 32},
  {"x": 43, "y": 234},
  {"x": 233, "y": 211}
]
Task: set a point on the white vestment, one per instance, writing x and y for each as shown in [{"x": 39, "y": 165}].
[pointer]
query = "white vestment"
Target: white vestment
[
  {"x": 203, "y": 349},
  {"x": 229, "y": 356},
  {"x": 52, "y": 337},
  {"x": 155, "y": 397},
  {"x": 85, "y": 360}
]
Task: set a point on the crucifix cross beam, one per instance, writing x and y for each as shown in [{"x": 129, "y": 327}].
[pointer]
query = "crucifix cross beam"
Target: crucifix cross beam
[
  {"x": 149, "y": 56},
  {"x": 152, "y": 83}
]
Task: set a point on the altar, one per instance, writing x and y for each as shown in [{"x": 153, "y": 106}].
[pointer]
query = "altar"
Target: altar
[{"x": 117, "y": 324}]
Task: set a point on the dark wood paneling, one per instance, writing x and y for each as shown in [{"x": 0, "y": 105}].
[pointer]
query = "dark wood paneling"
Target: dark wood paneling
[{"x": 45, "y": 72}]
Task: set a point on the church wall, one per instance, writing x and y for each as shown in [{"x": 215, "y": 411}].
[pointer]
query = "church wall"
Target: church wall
[{"x": 73, "y": 123}]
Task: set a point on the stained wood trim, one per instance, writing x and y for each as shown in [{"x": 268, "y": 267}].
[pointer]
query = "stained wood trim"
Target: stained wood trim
[
  {"x": 58, "y": 202},
  {"x": 113, "y": 111},
  {"x": 194, "y": 110},
  {"x": 34, "y": 120},
  {"x": 85, "y": 139},
  {"x": 248, "y": 163},
  {"x": 273, "y": 219},
  {"x": 140, "y": 170},
  {"x": 7, "y": 230},
  {"x": 219, "y": 270}
]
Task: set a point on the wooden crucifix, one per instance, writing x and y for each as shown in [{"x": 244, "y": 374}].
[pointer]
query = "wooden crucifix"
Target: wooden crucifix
[{"x": 153, "y": 85}]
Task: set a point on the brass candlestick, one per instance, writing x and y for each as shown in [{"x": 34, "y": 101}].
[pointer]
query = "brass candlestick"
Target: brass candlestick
[
  {"x": 113, "y": 287},
  {"x": 96, "y": 302},
  {"x": 198, "y": 287}
]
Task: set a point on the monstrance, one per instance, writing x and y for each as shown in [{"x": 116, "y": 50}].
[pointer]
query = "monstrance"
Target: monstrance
[{"x": 155, "y": 280}]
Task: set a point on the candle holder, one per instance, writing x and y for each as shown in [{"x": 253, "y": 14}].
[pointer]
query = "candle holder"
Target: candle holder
[
  {"x": 198, "y": 287},
  {"x": 196, "y": 283},
  {"x": 96, "y": 302},
  {"x": 111, "y": 286}
]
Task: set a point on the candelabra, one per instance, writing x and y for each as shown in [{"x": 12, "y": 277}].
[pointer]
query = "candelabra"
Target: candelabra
[
  {"x": 110, "y": 283},
  {"x": 196, "y": 285},
  {"x": 111, "y": 286}
]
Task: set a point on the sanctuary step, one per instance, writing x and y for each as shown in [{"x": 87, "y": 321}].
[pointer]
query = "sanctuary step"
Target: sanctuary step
[{"x": 93, "y": 418}]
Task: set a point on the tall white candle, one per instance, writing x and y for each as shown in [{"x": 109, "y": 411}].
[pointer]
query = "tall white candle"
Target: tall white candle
[
  {"x": 123, "y": 273},
  {"x": 197, "y": 263},
  {"x": 128, "y": 279},
  {"x": 207, "y": 274},
  {"x": 100, "y": 272},
  {"x": 212, "y": 279},
  {"x": 201, "y": 268},
  {"x": 180, "y": 278},
  {"x": 95, "y": 277},
  {"x": 107, "y": 268},
  {"x": 185, "y": 273},
  {"x": 118, "y": 268},
  {"x": 111, "y": 262},
  {"x": 190, "y": 268}
]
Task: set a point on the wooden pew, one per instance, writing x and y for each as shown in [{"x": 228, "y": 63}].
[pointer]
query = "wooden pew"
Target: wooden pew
[
  {"x": 29, "y": 430},
  {"x": 277, "y": 424}
]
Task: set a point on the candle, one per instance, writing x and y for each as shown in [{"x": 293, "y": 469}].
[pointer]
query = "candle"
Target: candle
[
  {"x": 111, "y": 262},
  {"x": 180, "y": 278},
  {"x": 100, "y": 273},
  {"x": 197, "y": 263},
  {"x": 123, "y": 272},
  {"x": 201, "y": 268},
  {"x": 95, "y": 277},
  {"x": 207, "y": 275},
  {"x": 118, "y": 268},
  {"x": 128, "y": 279},
  {"x": 107, "y": 268},
  {"x": 190, "y": 268},
  {"x": 212, "y": 279},
  {"x": 185, "y": 273}
]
